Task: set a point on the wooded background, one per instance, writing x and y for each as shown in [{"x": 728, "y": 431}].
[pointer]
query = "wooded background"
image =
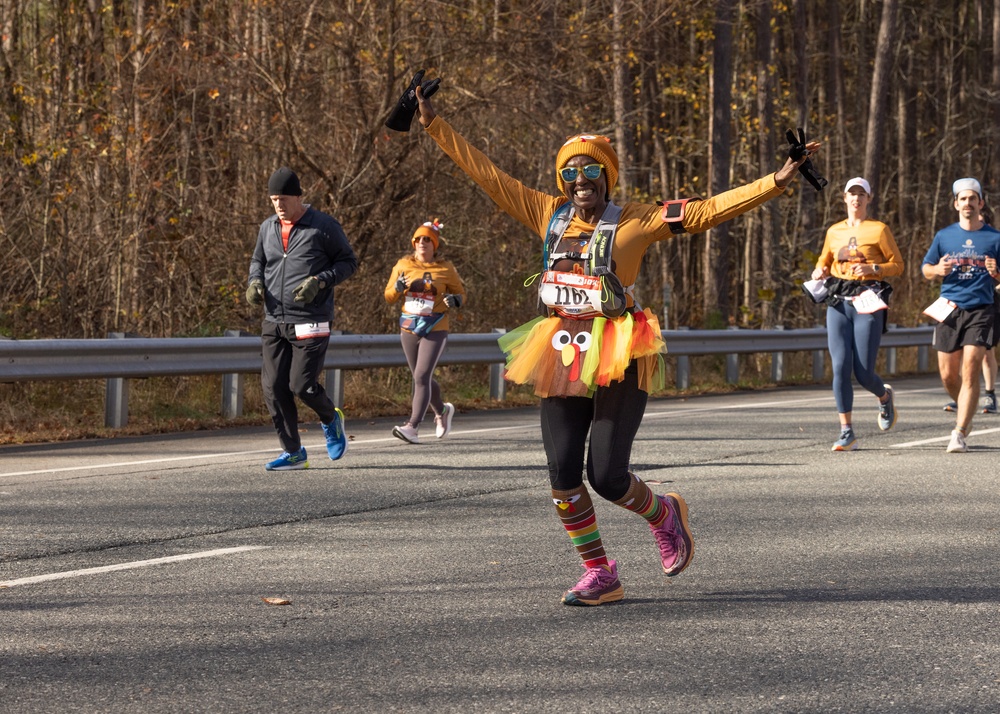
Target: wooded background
[{"x": 138, "y": 137}]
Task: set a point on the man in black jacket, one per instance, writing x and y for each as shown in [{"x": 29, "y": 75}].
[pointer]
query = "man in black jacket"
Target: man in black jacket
[{"x": 301, "y": 254}]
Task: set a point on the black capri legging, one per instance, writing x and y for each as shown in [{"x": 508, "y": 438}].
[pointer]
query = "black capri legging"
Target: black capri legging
[{"x": 612, "y": 416}]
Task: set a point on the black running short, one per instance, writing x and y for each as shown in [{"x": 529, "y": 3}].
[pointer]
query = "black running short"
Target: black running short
[{"x": 975, "y": 326}]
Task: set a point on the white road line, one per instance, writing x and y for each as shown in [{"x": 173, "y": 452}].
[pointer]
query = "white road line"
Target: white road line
[
  {"x": 226, "y": 454},
  {"x": 938, "y": 439},
  {"x": 129, "y": 566},
  {"x": 650, "y": 414}
]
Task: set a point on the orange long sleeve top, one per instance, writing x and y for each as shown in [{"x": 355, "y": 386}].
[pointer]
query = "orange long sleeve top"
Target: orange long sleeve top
[{"x": 640, "y": 224}]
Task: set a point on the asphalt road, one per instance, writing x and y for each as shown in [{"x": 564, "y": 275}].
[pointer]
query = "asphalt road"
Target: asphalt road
[{"x": 427, "y": 578}]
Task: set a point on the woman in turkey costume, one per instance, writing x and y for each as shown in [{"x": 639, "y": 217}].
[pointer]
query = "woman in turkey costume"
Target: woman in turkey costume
[{"x": 596, "y": 355}]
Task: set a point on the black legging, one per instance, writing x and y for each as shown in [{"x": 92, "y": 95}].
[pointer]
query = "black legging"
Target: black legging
[
  {"x": 612, "y": 416},
  {"x": 422, "y": 354}
]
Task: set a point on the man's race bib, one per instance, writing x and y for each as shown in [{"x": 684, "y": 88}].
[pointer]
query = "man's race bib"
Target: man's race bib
[
  {"x": 310, "y": 330},
  {"x": 418, "y": 303},
  {"x": 571, "y": 294},
  {"x": 940, "y": 309}
]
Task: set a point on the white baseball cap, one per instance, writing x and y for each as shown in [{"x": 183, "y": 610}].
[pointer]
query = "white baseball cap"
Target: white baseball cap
[
  {"x": 858, "y": 181},
  {"x": 966, "y": 184}
]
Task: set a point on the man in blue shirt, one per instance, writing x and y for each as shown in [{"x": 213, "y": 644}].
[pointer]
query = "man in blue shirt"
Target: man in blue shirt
[{"x": 964, "y": 256}]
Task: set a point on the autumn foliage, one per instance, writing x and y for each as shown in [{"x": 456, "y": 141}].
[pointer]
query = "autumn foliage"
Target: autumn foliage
[{"x": 137, "y": 138}]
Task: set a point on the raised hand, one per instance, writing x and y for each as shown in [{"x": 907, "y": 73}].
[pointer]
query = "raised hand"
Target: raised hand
[{"x": 402, "y": 116}]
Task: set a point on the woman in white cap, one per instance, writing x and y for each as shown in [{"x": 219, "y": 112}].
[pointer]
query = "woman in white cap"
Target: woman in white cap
[
  {"x": 429, "y": 287},
  {"x": 858, "y": 255},
  {"x": 595, "y": 356}
]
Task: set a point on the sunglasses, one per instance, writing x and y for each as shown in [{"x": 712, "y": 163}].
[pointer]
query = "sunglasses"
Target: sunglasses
[
  {"x": 422, "y": 239},
  {"x": 590, "y": 171}
]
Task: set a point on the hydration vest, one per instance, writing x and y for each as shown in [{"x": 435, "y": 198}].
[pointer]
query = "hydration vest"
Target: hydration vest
[{"x": 596, "y": 259}]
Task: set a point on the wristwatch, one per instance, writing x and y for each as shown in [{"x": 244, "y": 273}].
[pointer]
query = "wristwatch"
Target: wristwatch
[{"x": 876, "y": 269}]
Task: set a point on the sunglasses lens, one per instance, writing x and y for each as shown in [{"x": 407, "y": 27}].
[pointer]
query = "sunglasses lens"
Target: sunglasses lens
[{"x": 591, "y": 171}]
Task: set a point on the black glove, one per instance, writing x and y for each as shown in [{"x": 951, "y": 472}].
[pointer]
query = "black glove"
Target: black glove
[
  {"x": 402, "y": 116},
  {"x": 401, "y": 284},
  {"x": 255, "y": 293},
  {"x": 796, "y": 150},
  {"x": 453, "y": 301},
  {"x": 307, "y": 290}
]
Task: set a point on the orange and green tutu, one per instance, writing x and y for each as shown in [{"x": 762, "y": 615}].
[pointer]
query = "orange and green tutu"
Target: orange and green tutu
[{"x": 572, "y": 358}]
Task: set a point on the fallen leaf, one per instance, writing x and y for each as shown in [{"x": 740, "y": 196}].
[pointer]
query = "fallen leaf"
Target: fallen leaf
[{"x": 276, "y": 601}]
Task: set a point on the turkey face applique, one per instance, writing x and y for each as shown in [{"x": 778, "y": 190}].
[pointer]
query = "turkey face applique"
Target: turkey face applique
[
  {"x": 567, "y": 504},
  {"x": 570, "y": 344}
]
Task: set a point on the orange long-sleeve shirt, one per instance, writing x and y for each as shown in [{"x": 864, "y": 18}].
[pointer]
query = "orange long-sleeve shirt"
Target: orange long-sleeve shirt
[
  {"x": 435, "y": 280},
  {"x": 640, "y": 224},
  {"x": 867, "y": 242}
]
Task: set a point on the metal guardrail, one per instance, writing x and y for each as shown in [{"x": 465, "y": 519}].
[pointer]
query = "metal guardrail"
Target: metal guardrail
[{"x": 117, "y": 360}]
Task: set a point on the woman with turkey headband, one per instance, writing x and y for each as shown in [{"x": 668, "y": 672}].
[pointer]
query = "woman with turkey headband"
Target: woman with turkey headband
[
  {"x": 596, "y": 355},
  {"x": 429, "y": 287}
]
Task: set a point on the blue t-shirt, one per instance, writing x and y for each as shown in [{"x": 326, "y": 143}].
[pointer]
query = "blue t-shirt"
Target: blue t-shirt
[{"x": 968, "y": 285}]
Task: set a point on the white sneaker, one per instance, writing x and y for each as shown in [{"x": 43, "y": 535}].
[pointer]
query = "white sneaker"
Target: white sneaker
[
  {"x": 957, "y": 444},
  {"x": 443, "y": 421},
  {"x": 406, "y": 433}
]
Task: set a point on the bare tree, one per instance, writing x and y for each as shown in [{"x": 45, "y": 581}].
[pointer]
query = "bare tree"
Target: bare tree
[{"x": 878, "y": 105}]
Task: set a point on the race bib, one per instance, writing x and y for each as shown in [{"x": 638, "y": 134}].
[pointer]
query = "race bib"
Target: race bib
[
  {"x": 940, "y": 309},
  {"x": 571, "y": 294},
  {"x": 310, "y": 330},
  {"x": 419, "y": 303},
  {"x": 868, "y": 302}
]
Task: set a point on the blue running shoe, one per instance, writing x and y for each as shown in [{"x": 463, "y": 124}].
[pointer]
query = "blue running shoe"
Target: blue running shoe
[
  {"x": 336, "y": 439},
  {"x": 951, "y": 407},
  {"x": 847, "y": 441},
  {"x": 887, "y": 411},
  {"x": 289, "y": 462}
]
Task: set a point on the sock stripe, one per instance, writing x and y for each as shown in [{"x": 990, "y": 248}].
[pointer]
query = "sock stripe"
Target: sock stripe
[{"x": 584, "y": 538}]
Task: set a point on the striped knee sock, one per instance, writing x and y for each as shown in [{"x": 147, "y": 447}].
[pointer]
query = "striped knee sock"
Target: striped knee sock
[
  {"x": 640, "y": 499},
  {"x": 576, "y": 511}
]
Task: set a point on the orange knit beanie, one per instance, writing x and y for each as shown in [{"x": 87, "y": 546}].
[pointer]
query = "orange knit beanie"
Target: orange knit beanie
[
  {"x": 594, "y": 145},
  {"x": 431, "y": 229}
]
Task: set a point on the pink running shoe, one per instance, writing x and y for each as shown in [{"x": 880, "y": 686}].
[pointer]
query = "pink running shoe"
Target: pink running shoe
[
  {"x": 674, "y": 535},
  {"x": 597, "y": 586}
]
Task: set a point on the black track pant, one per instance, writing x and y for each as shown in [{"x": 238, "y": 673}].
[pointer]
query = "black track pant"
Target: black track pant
[
  {"x": 291, "y": 369},
  {"x": 612, "y": 416}
]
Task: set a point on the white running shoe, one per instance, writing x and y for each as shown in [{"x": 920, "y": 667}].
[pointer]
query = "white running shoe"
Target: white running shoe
[
  {"x": 406, "y": 433},
  {"x": 443, "y": 421},
  {"x": 957, "y": 444}
]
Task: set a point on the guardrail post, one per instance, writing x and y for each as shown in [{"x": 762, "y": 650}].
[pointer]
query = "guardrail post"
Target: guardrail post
[
  {"x": 498, "y": 385},
  {"x": 683, "y": 368},
  {"x": 116, "y": 396},
  {"x": 890, "y": 357},
  {"x": 732, "y": 364},
  {"x": 819, "y": 363},
  {"x": 335, "y": 380},
  {"x": 778, "y": 362},
  {"x": 923, "y": 358},
  {"x": 232, "y": 388}
]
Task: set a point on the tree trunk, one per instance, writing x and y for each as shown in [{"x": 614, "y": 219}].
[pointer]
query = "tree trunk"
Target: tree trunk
[
  {"x": 878, "y": 105},
  {"x": 766, "y": 153},
  {"x": 620, "y": 89},
  {"x": 717, "y": 267}
]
